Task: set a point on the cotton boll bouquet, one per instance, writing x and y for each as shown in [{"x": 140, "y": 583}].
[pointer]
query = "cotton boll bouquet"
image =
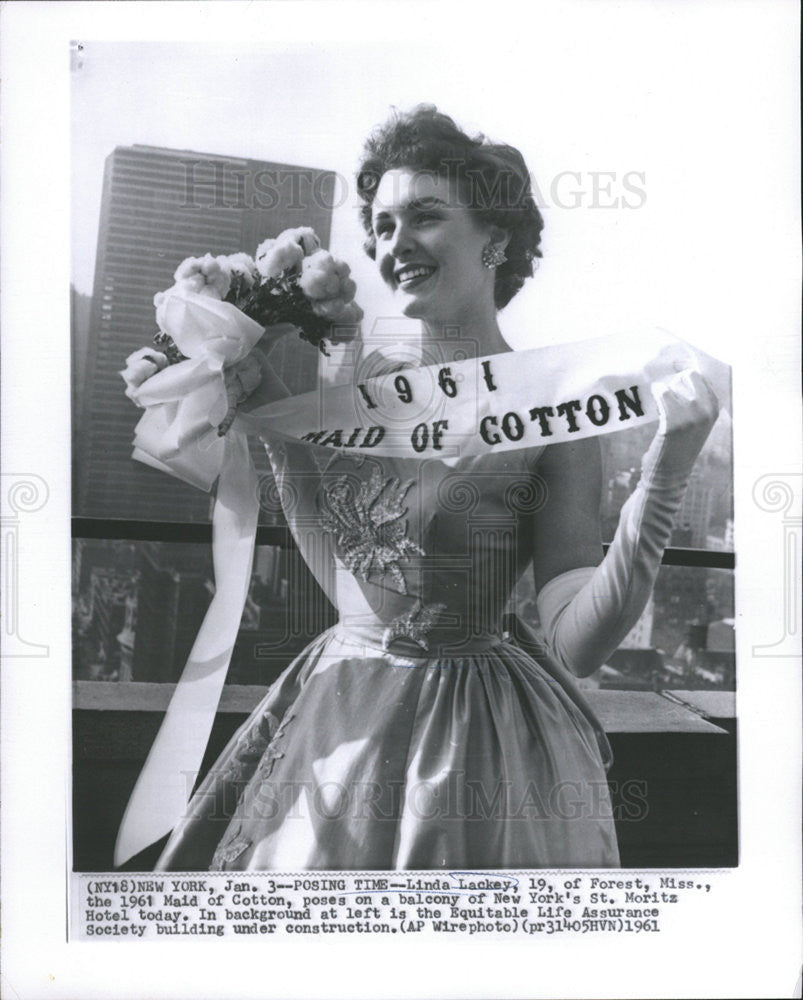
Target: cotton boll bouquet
[
  {"x": 291, "y": 282},
  {"x": 290, "y": 279}
]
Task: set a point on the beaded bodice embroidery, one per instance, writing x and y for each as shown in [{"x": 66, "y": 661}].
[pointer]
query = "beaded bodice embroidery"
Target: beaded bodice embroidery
[{"x": 368, "y": 522}]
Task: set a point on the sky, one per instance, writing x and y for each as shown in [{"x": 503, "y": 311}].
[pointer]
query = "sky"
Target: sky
[{"x": 633, "y": 159}]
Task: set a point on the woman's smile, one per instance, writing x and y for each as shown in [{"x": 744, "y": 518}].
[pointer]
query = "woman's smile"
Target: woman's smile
[{"x": 410, "y": 276}]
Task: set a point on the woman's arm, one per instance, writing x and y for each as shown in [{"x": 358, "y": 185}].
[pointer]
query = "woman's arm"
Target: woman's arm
[
  {"x": 567, "y": 527},
  {"x": 587, "y": 610}
]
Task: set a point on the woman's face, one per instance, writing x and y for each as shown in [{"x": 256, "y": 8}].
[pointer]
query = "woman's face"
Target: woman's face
[{"x": 429, "y": 248}]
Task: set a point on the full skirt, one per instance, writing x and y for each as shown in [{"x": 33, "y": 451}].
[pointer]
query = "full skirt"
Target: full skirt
[{"x": 358, "y": 759}]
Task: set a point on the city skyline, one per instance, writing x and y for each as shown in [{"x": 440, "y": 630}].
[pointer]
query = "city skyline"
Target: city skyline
[{"x": 137, "y": 607}]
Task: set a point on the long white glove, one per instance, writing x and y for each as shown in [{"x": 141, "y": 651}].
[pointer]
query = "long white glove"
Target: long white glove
[{"x": 586, "y": 612}]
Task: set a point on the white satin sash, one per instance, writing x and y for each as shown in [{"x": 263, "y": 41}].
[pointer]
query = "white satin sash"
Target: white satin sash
[{"x": 502, "y": 402}]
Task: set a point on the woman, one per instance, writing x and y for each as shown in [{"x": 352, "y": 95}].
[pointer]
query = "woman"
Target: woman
[{"x": 414, "y": 734}]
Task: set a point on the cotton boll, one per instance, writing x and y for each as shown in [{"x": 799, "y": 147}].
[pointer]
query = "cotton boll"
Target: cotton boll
[
  {"x": 242, "y": 266},
  {"x": 352, "y": 313},
  {"x": 188, "y": 267},
  {"x": 194, "y": 284},
  {"x": 318, "y": 278},
  {"x": 331, "y": 309},
  {"x": 275, "y": 256},
  {"x": 217, "y": 276},
  {"x": 305, "y": 237},
  {"x": 203, "y": 276},
  {"x": 140, "y": 366}
]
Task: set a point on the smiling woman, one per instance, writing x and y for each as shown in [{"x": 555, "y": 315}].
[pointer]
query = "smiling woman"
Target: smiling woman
[
  {"x": 457, "y": 209},
  {"x": 418, "y": 733}
]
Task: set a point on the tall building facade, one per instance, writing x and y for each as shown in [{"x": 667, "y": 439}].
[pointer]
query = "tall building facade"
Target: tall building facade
[{"x": 160, "y": 206}]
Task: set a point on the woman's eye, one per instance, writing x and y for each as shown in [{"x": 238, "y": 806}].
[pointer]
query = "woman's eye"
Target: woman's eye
[{"x": 383, "y": 229}]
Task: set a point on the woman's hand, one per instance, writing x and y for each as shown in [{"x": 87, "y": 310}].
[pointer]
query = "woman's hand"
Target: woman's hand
[
  {"x": 687, "y": 410},
  {"x": 252, "y": 382}
]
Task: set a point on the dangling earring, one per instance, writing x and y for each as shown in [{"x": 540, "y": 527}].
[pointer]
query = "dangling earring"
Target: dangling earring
[{"x": 493, "y": 256}]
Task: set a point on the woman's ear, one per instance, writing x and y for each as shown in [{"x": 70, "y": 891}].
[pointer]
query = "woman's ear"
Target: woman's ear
[{"x": 499, "y": 237}]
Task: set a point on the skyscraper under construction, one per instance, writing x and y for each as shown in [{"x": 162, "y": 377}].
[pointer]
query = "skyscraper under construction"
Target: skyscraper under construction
[{"x": 160, "y": 206}]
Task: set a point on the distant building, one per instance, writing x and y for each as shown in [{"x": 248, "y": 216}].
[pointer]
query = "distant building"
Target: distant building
[
  {"x": 633, "y": 670},
  {"x": 694, "y": 515},
  {"x": 621, "y": 468},
  {"x": 708, "y": 655},
  {"x": 707, "y": 507},
  {"x": 80, "y": 317},
  {"x": 137, "y": 608},
  {"x": 640, "y": 636},
  {"x": 173, "y": 595},
  {"x": 109, "y": 592},
  {"x": 160, "y": 206},
  {"x": 126, "y": 639}
]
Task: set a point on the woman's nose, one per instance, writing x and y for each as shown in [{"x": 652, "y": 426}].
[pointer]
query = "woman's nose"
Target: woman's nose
[{"x": 401, "y": 241}]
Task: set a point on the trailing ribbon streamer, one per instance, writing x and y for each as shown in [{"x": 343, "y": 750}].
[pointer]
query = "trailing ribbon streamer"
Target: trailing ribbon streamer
[{"x": 537, "y": 397}]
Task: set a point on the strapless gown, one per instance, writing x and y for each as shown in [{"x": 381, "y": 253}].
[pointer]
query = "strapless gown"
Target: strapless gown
[{"x": 414, "y": 734}]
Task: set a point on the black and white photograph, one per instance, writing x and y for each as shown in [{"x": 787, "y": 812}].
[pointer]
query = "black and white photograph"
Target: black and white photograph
[
  {"x": 427, "y": 547},
  {"x": 398, "y": 712}
]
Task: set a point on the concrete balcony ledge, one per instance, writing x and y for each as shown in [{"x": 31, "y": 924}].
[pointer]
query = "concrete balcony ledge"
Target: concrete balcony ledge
[
  {"x": 650, "y": 712},
  {"x": 711, "y": 704},
  {"x": 618, "y": 711}
]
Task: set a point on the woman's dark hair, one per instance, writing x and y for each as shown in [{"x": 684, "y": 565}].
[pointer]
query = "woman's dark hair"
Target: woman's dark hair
[{"x": 492, "y": 178}]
